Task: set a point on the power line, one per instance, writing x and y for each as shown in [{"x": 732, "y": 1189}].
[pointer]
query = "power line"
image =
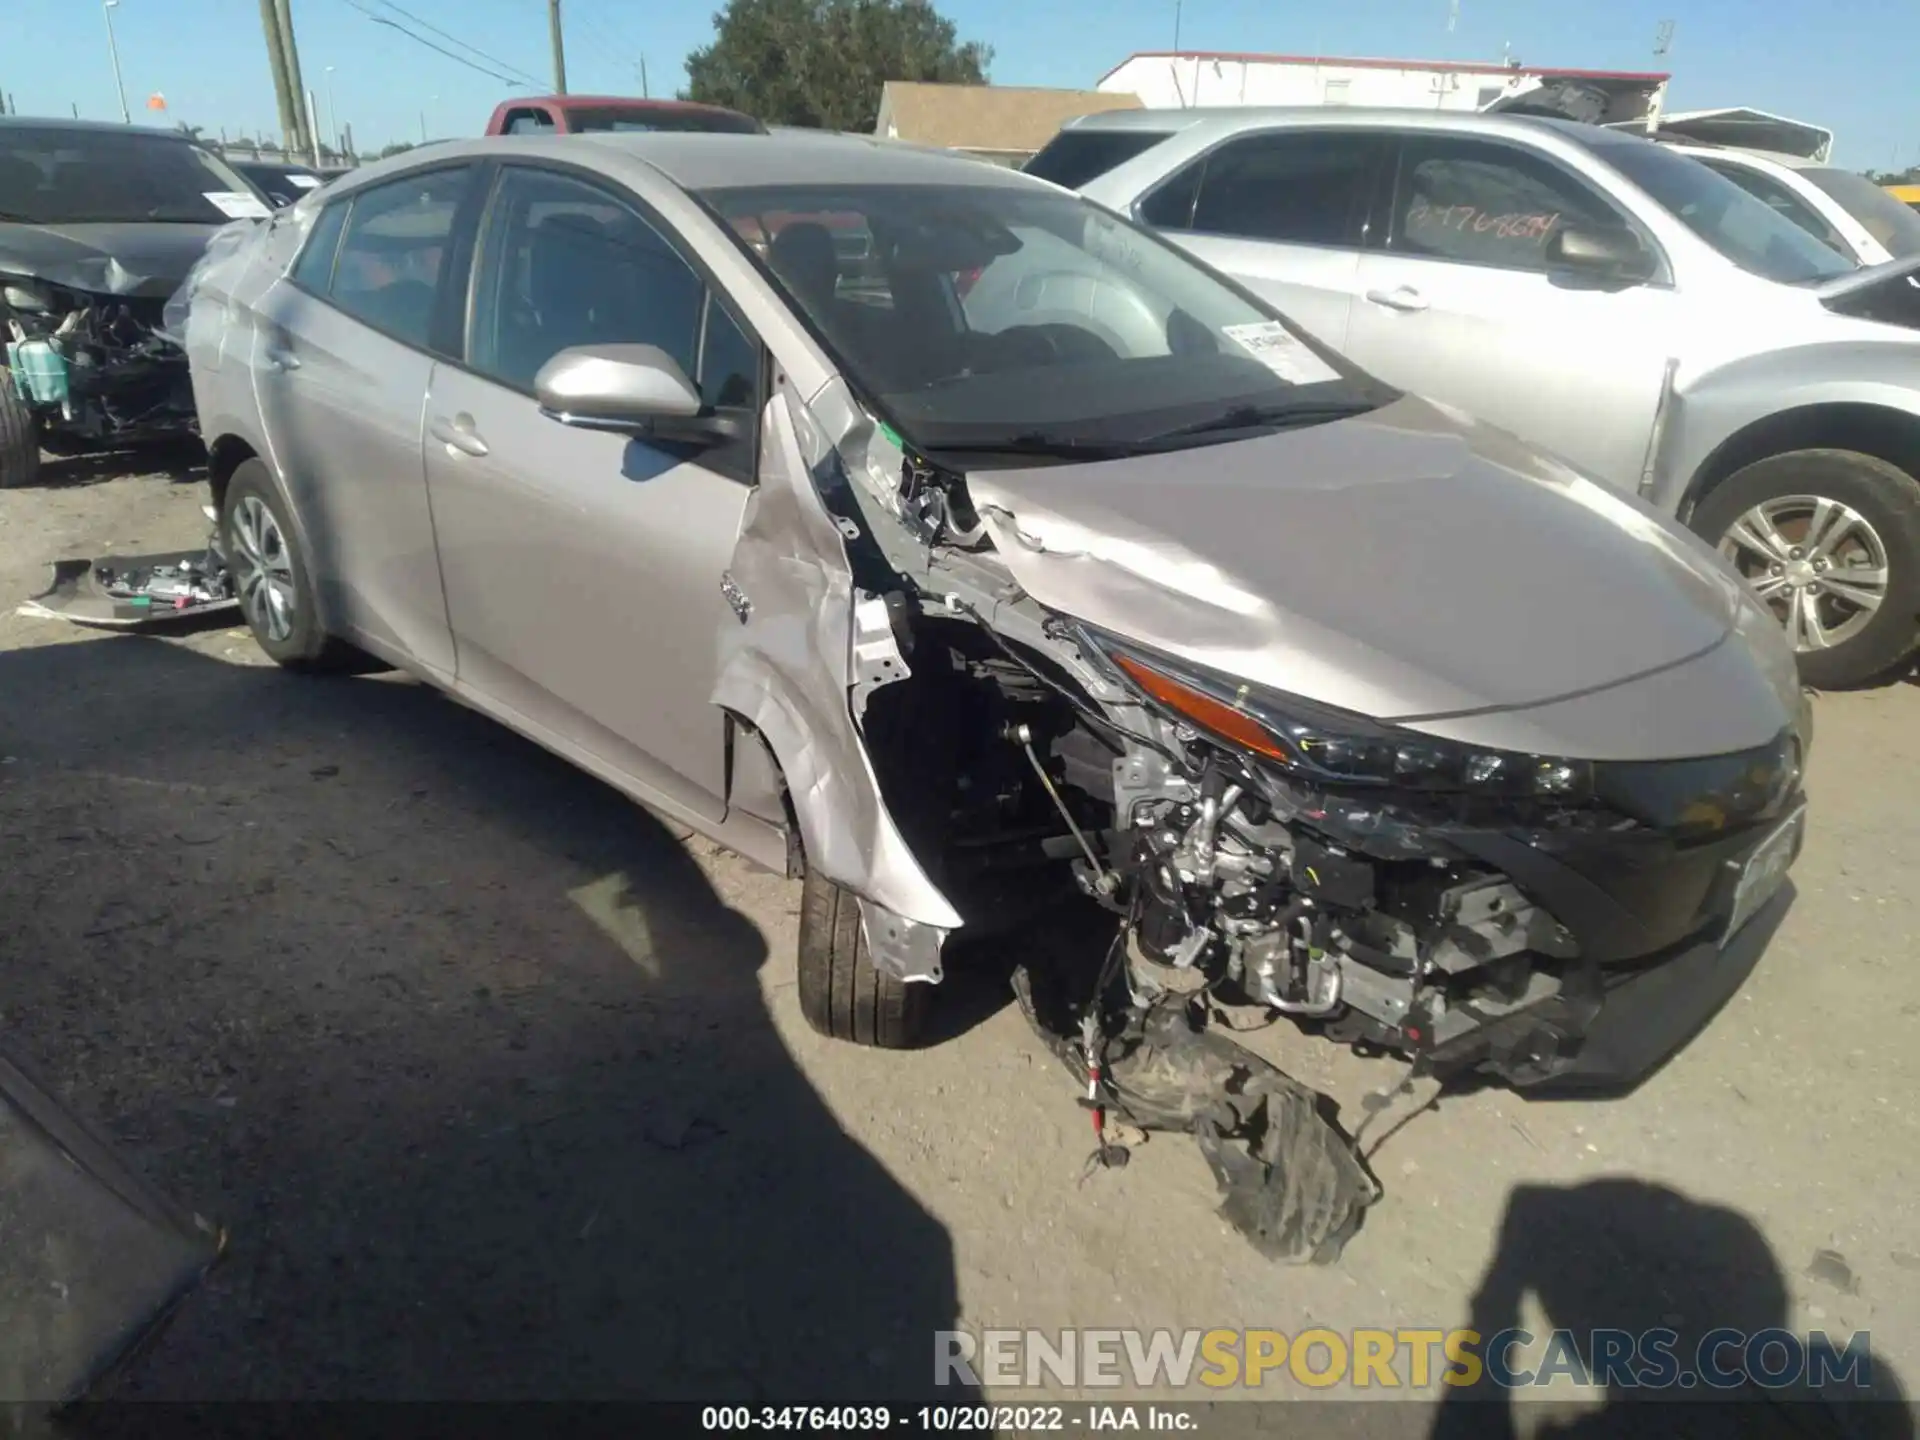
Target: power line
[
  {"x": 521, "y": 79},
  {"x": 445, "y": 35}
]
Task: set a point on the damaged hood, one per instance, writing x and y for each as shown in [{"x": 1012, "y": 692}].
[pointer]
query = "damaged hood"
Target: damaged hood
[
  {"x": 1408, "y": 564},
  {"x": 135, "y": 259}
]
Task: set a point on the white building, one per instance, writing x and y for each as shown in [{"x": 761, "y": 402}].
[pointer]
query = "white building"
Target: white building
[{"x": 1170, "y": 79}]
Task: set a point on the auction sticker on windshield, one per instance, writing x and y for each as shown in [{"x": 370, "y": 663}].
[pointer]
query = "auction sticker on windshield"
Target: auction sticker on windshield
[
  {"x": 1281, "y": 351},
  {"x": 235, "y": 206}
]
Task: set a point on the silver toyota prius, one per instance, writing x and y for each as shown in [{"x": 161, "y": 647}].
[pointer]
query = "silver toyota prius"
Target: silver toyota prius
[{"x": 915, "y": 526}]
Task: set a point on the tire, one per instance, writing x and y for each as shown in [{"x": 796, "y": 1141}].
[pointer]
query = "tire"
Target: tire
[
  {"x": 19, "y": 438},
  {"x": 272, "y": 575},
  {"x": 1876, "y": 530},
  {"x": 841, "y": 993}
]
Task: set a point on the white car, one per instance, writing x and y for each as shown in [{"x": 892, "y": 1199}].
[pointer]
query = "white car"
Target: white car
[
  {"x": 1846, "y": 211},
  {"x": 1603, "y": 296}
]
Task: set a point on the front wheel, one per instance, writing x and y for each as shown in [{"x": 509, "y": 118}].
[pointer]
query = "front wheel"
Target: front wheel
[
  {"x": 1830, "y": 542},
  {"x": 842, "y": 994},
  {"x": 271, "y": 576},
  {"x": 19, "y": 437}
]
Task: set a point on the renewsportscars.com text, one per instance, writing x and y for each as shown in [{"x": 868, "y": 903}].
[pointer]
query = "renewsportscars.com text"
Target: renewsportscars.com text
[{"x": 1320, "y": 1359}]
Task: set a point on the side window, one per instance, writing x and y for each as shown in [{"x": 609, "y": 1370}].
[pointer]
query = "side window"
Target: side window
[
  {"x": 566, "y": 263},
  {"x": 314, "y": 269},
  {"x": 729, "y": 373},
  {"x": 1483, "y": 204},
  {"x": 396, "y": 241},
  {"x": 1777, "y": 195},
  {"x": 1300, "y": 187},
  {"x": 528, "y": 122},
  {"x": 1171, "y": 206}
]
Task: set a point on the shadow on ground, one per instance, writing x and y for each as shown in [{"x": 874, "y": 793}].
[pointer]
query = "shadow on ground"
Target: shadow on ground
[
  {"x": 182, "y": 462},
  {"x": 1636, "y": 1259},
  {"x": 464, "y": 1049}
]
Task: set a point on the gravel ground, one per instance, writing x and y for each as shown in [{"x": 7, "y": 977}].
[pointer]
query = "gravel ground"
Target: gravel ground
[{"x": 501, "y": 1087}]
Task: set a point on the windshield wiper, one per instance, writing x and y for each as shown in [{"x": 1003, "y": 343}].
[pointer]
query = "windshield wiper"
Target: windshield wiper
[{"x": 1253, "y": 417}]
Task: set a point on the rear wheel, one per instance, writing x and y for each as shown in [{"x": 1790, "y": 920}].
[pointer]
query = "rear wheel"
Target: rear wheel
[
  {"x": 842, "y": 994},
  {"x": 1830, "y": 542},
  {"x": 19, "y": 438},
  {"x": 272, "y": 577}
]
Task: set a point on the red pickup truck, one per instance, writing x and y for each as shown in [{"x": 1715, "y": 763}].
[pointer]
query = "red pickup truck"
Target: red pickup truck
[{"x": 573, "y": 114}]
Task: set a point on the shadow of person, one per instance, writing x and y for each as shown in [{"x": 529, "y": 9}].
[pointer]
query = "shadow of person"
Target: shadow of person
[
  {"x": 467, "y": 1051},
  {"x": 1621, "y": 1257}
]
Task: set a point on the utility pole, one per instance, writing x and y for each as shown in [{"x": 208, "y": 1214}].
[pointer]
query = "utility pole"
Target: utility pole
[
  {"x": 313, "y": 132},
  {"x": 559, "y": 48},
  {"x": 277, "y": 62},
  {"x": 1176, "y": 26},
  {"x": 113, "y": 50},
  {"x": 296, "y": 86},
  {"x": 645, "y": 94}
]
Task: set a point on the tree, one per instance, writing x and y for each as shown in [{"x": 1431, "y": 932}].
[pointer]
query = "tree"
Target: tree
[
  {"x": 821, "y": 63},
  {"x": 398, "y": 147}
]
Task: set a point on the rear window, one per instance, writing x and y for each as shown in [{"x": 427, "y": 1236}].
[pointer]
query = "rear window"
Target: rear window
[
  {"x": 636, "y": 118},
  {"x": 1073, "y": 157}
]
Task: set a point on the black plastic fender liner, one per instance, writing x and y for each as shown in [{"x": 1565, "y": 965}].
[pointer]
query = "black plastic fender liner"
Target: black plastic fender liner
[
  {"x": 1292, "y": 1182},
  {"x": 94, "y": 1260}
]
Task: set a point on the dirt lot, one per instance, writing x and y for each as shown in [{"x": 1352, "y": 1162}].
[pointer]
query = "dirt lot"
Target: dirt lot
[{"x": 501, "y": 1087}]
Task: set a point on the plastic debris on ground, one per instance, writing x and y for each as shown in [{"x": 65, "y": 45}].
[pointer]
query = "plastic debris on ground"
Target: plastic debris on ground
[
  {"x": 125, "y": 592},
  {"x": 1291, "y": 1181}
]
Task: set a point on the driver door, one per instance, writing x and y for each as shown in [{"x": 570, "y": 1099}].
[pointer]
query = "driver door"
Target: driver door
[{"x": 583, "y": 568}]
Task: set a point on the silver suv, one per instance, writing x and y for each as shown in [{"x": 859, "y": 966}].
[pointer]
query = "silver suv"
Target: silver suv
[{"x": 1597, "y": 294}]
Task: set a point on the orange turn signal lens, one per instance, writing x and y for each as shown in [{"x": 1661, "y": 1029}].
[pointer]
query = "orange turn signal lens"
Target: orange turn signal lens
[{"x": 1205, "y": 711}]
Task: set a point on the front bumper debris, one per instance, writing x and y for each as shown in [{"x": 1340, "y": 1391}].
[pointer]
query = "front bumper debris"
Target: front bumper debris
[
  {"x": 1291, "y": 1181},
  {"x": 133, "y": 592}
]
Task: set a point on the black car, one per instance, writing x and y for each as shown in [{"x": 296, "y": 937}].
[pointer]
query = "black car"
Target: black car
[
  {"x": 281, "y": 184},
  {"x": 99, "y": 225}
]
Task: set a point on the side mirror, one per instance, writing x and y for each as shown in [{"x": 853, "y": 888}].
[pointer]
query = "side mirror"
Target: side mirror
[
  {"x": 1611, "y": 254},
  {"x": 633, "y": 389}
]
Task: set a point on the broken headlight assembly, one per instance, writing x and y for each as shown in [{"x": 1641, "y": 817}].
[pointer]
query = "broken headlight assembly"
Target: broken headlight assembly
[
  {"x": 1329, "y": 748},
  {"x": 24, "y": 298}
]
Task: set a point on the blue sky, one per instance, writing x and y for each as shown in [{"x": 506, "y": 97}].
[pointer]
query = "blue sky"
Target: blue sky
[{"x": 1852, "y": 68}]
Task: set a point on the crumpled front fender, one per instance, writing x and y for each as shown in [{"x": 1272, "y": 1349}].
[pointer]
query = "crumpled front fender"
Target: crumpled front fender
[{"x": 787, "y": 669}]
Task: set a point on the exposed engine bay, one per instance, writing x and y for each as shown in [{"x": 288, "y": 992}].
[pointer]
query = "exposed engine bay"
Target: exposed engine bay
[
  {"x": 95, "y": 368},
  {"x": 1378, "y": 889}
]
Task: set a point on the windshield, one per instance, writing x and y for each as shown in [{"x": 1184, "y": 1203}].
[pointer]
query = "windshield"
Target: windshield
[
  {"x": 979, "y": 316},
  {"x": 621, "y": 118},
  {"x": 73, "y": 177},
  {"x": 1894, "y": 225},
  {"x": 1745, "y": 229}
]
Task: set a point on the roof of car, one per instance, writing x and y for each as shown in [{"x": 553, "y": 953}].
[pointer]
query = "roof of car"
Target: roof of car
[
  {"x": 619, "y": 102},
  {"x": 1247, "y": 117},
  {"x": 53, "y": 122},
  {"x": 706, "y": 161}
]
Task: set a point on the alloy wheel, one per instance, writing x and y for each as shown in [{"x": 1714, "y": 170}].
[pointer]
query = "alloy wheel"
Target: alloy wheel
[
  {"x": 1817, "y": 564},
  {"x": 265, "y": 570}
]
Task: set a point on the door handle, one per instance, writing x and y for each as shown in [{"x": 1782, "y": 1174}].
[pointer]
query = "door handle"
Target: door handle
[
  {"x": 282, "y": 359},
  {"x": 1401, "y": 297},
  {"x": 457, "y": 434}
]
